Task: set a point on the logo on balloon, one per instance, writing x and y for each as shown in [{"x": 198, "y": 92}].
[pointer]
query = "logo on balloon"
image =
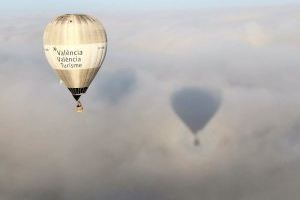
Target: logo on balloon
[{"x": 69, "y": 58}]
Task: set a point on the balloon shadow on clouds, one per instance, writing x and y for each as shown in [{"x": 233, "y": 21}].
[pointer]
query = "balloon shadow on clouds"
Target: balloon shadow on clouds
[
  {"x": 45, "y": 192},
  {"x": 195, "y": 107},
  {"x": 117, "y": 85}
]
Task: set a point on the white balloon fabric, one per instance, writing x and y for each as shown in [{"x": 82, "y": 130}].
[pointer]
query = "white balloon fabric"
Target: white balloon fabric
[{"x": 75, "y": 47}]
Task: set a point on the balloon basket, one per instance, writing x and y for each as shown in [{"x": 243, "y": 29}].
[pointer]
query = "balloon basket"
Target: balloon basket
[{"x": 79, "y": 107}]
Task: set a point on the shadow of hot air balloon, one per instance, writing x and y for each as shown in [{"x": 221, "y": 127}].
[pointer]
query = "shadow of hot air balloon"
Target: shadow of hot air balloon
[{"x": 195, "y": 107}]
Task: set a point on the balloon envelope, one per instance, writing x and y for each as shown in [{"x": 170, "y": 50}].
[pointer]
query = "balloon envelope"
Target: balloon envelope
[
  {"x": 75, "y": 47},
  {"x": 195, "y": 107}
]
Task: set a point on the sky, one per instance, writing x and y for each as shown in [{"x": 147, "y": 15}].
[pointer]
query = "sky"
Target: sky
[
  {"x": 241, "y": 64},
  {"x": 25, "y": 6}
]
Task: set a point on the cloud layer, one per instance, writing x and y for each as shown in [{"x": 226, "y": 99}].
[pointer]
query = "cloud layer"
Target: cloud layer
[{"x": 130, "y": 144}]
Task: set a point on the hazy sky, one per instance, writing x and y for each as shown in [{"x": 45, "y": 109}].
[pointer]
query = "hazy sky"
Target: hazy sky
[
  {"x": 25, "y": 6},
  {"x": 129, "y": 144}
]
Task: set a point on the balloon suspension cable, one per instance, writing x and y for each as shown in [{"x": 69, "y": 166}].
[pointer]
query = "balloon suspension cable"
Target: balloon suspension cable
[
  {"x": 196, "y": 141},
  {"x": 79, "y": 107}
]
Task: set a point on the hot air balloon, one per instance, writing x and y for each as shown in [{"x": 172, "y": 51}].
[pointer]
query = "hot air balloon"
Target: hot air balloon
[
  {"x": 75, "y": 47},
  {"x": 195, "y": 107}
]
